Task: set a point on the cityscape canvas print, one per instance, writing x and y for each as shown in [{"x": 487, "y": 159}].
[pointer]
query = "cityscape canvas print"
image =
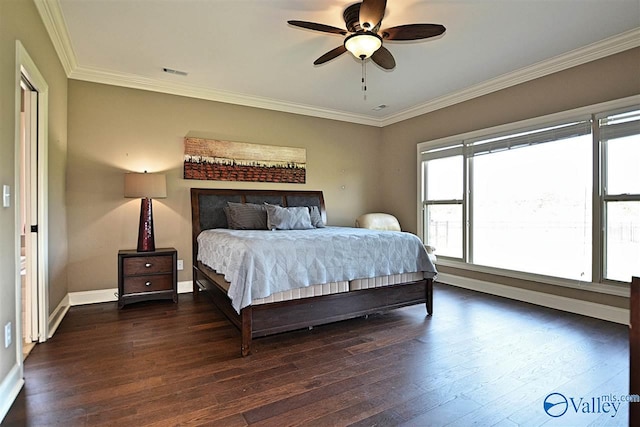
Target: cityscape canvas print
[{"x": 212, "y": 159}]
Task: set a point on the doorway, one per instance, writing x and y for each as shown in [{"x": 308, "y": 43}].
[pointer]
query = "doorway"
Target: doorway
[
  {"x": 31, "y": 230},
  {"x": 28, "y": 214}
]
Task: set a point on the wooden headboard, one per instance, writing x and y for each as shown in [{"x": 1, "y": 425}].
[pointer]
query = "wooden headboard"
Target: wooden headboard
[{"x": 207, "y": 205}]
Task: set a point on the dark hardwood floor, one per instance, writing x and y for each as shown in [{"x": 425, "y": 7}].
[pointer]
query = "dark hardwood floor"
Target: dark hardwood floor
[{"x": 480, "y": 360}]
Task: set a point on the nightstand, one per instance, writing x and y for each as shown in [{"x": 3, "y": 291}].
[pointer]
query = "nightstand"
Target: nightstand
[{"x": 146, "y": 276}]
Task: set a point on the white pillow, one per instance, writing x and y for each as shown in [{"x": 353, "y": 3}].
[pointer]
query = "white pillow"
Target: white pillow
[
  {"x": 291, "y": 218},
  {"x": 316, "y": 217}
]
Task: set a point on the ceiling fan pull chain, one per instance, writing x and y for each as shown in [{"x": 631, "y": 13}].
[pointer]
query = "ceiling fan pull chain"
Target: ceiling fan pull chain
[{"x": 364, "y": 79}]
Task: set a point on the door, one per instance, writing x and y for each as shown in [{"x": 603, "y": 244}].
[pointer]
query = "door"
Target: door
[{"x": 29, "y": 214}]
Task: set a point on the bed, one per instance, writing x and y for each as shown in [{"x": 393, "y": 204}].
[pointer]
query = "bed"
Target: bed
[{"x": 281, "y": 306}]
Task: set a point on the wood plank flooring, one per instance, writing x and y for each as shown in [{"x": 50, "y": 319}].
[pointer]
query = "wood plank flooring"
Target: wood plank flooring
[{"x": 479, "y": 360}]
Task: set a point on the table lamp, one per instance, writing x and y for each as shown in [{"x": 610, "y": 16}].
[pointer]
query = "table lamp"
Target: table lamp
[{"x": 147, "y": 186}]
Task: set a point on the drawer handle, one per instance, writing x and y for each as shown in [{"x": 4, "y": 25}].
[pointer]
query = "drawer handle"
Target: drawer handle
[
  {"x": 147, "y": 283},
  {"x": 148, "y": 265}
]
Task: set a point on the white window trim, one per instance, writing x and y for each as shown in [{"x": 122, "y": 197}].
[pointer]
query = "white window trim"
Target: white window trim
[
  {"x": 605, "y": 288},
  {"x": 611, "y": 288}
]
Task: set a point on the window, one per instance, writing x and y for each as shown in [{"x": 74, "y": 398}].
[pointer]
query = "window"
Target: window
[
  {"x": 443, "y": 204},
  {"x": 532, "y": 209},
  {"x": 560, "y": 199},
  {"x": 620, "y": 135}
]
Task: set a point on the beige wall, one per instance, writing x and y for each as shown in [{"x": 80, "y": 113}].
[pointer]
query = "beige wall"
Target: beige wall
[
  {"x": 113, "y": 130},
  {"x": 19, "y": 20},
  {"x": 614, "y": 77}
]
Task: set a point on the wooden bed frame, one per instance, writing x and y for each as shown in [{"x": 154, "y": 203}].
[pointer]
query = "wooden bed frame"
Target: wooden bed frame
[{"x": 266, "y": 319}]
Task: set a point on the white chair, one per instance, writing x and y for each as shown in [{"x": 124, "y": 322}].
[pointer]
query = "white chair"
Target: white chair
[
  {"x": 378, "y": 221},
  {"x": 386, "y": 222}
]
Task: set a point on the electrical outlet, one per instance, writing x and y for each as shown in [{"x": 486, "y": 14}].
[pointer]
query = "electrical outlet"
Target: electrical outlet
[
  {"x": 180, "y": 264},
  {"x": 7, "y": 335}
]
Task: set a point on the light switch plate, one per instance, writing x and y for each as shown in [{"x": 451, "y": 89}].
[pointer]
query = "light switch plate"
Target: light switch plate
[
  {"x": 6, "y": 196},
  {"x": 180, "y": 265},
  {"x": 7, "y": 335}
]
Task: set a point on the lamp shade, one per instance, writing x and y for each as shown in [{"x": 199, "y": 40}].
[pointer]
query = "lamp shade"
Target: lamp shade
[
  {"x": 145, "y": 185},
  {"x": 363, "y": 45}
]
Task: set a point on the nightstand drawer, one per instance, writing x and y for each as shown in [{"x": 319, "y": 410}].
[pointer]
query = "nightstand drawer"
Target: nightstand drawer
[
  {"x": 147, "y": 265},
  {"x": 138, "y": 284},
  {"x": 144, "y": 276}
]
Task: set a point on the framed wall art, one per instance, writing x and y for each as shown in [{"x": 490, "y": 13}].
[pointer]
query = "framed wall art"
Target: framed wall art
[{"x": 212, "y": 159}]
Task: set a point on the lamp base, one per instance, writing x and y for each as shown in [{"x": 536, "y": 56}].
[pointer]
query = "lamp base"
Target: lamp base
[{"x": 146, "y": 241}]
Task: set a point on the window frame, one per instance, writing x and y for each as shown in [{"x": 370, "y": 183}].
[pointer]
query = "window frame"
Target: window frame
[
  {"x": 426, "y": 202},
  {"x": 599, "y": 198},
  {"x": 604, "y": 195}
]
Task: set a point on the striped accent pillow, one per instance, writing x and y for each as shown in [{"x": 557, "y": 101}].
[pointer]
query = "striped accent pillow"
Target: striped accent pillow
[{"x": 246, "y": 216}]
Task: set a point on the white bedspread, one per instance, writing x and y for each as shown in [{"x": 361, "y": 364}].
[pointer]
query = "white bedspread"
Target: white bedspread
[{"x": 258, "y": 263}]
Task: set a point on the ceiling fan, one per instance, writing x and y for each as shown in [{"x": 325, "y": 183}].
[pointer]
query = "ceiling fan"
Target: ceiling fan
[{"x": 365, "y": 38}]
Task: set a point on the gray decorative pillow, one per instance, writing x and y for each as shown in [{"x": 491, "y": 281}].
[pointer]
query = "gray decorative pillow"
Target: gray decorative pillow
[
  {"x": 291, "y": 218},
  {"x": 246, "y": 216},
  {"x": 230, "y": 223},
  {"x": 316, "y": 217}
]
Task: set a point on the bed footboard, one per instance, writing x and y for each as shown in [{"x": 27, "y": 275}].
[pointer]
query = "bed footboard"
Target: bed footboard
[{"x": 268, "y": 319}]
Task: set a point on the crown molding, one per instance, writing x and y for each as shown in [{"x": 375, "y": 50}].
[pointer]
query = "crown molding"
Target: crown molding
[
  {"x": 53, "y": 20},
  {"x": 133, "y": 81},
  {"x": 610, "y": 46}
]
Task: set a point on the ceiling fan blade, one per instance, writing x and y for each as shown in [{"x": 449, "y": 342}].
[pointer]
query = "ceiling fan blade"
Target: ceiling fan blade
[
  {"x": 330, "y": 55},
  {"x": 412, "y": 31},
  {"x": 318, "y": 27},
  {"x": 383, "y": 58},
  {"x": 371, "y": 13}
]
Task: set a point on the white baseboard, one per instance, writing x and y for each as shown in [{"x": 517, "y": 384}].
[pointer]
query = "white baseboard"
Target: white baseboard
[
  {"x": 185, "y": 287},
  {"x": 109, "y": 295},
  {"x": 93, "y": 297},
  {"x": 58, "y": 314},
  {"x": 585, "y": 308},
  {"x": 9, "y": 389}
]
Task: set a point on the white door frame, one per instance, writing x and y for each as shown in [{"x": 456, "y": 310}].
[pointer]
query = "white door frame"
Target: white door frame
[
  {"x": 29, "y": 178},
  {"x": 27, "y": 68}
]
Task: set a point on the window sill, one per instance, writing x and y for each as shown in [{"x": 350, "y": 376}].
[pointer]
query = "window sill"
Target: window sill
[{"x": 605, "y": 288}]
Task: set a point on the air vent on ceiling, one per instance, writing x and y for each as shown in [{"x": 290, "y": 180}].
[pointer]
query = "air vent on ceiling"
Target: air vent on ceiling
[
  {"x": 172, "y": 71},
  {"x": 379, "y": 107}
]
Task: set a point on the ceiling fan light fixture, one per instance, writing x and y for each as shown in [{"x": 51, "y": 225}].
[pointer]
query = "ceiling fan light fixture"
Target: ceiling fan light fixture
[{"x": 363, "y": 45}]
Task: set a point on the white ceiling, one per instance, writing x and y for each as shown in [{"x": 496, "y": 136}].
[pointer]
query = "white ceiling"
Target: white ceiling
[{"x": 244, "y": 52}]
